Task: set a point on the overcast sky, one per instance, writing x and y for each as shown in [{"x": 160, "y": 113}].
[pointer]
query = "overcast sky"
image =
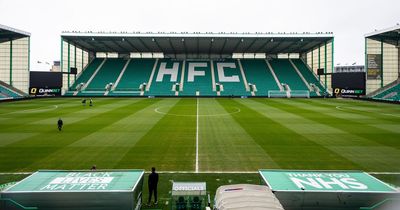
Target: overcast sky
[{"x": 348, "y": 19}]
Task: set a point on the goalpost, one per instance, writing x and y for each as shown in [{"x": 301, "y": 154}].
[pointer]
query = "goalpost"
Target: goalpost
[
  {"x": 277, "y": 94},
  {"x": 289, "y": 94}
]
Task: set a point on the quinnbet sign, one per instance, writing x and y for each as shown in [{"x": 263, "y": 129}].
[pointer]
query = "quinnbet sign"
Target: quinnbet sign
[{"x": 346, "y": 181}]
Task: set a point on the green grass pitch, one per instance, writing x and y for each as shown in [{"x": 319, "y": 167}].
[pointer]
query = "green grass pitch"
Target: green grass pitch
[
  {"x": 217, "y": 135},
  {"x": 228, "y": 134}
]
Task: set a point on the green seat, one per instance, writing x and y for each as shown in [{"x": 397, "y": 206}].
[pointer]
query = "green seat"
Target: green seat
[
  {"x": 181, "y": 203},
  {"x": 195, "y": 204}
]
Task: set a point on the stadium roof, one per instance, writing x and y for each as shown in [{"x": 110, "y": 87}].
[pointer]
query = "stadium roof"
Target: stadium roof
[
  {"x": 197, "y": 43},
  {"x": 8, "y": 33},
  {"x": 389, "y": 35}
]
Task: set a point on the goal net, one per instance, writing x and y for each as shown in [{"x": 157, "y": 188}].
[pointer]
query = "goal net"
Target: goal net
[{"x": 289, "y": 94}]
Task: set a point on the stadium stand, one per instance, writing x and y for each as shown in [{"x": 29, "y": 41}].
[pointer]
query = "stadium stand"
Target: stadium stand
[
  {"x": 165, "y": 77},
  {"x": 233, "y": 83},
  {"x": 259, "y": 75},
  {"x": 391, "y": 92},
  {"x": 107, "y": 74},
  {"x": 198, "y": 85},
  {"x": 308, "y": 75},
  {"x": 171, "y": 77},
  {"x": 85, "y": 75},
  {"x": 287, "y": 74},
  {"x": 135, "y": 75},
  {"x": 9, "y": 92}
]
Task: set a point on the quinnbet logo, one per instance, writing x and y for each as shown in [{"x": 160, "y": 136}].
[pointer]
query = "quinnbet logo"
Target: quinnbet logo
[
  {"x": 44, "y": 91},
  {"x": 344, "y": 91}
]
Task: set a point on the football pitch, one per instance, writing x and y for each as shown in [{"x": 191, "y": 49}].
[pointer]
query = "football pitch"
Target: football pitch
[{"x": 203, "y": 135}]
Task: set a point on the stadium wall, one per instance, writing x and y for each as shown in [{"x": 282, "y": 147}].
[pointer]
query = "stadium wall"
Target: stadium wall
[
  {"x": 14, "y": 63},
  {"x": 72, "y": 56},
  {"x": 381, "y": 63},
  {"x": 321, "y": 56}
]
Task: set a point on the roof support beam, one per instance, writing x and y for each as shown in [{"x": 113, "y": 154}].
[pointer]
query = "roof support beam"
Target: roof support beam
[
  {"x": 251, "y": 45},
  {"x": 109, "y": 47},
  {"x": 144, "y": 44},
  {"x": 120, "y": 46},
  {"x": 131, "y": 45},
  {"x": 223, "y": 47},
  {"x": 262, "y": 46},
  {"x": 158, "y": 45},
  {"x": 237, "y": 45},
  {"x": 172, "y": 46}
]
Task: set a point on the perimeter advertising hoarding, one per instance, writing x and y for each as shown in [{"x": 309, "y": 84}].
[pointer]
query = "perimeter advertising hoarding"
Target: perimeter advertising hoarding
[
  {"x": 71, "y": 190},
  {"x": 44, "y": 91},
  {"x": 339, "y": 190},
  {"x": 374, "y": 64},
  {"x": 348, "y": 84},
  {"x": 45, "y": 83}
]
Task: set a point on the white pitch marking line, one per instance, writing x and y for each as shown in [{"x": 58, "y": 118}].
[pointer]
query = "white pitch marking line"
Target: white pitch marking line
[
  {"x": 197, "y": 135},
  {"x": 341, "y": 108},
  {"x": 157, "y": 110},
  {"x": 204, "y": 172}
]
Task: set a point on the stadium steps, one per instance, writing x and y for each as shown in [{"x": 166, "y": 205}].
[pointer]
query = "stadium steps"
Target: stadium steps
[
  {"x": 300, "y": 75},
  {"x": 274, "y": 75},
  {"x": 390, "y": 92},
  {"x": 13, "y": 89},
  {"x": 182, "y": 82},
  {"x": 287, "y": 74},
  {"x": 152, "y": 75},
  {"x": 259, "y": 74},
  {"x": 386, "y": 87},
  {"x": 87, "y": 73},
  {"x": 202, "y": 85},
  {"x": 308, "y": 74},
  {"x": 91, "y": 76},
  {"x": 107, "y": 73},
  {"x": 213, "y": 76},
  {"x": 121, "y": 74},
  {"x": 8, "y": 92},
  {"x": 246, "y": 85}
]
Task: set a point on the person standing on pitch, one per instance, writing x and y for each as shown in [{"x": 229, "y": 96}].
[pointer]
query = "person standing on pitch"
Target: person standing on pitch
[
  {"x": 90, "y": 102},
  {"x": 153, "y": 181},
  {"x": 60, "y": 124}
]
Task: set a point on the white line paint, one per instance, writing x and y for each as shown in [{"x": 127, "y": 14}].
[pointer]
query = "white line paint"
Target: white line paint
[
  {"x": 197, "y": 135},
  {"x": 354, "y": 109},
  {"x": 157, "y": 110},
  {"x": 34, "y": 110},
  {"x": 203, "y": 172}
]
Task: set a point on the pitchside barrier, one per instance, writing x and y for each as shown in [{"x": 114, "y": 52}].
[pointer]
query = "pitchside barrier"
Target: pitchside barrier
[
  {"x": 76, "y": 190},
  {"x": 339, "y": 190}
]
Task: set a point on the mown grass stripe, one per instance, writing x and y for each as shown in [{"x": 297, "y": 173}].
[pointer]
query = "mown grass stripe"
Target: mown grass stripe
[
  {"x": 355, "y": 146},
  {"x": 19, "y": 155},
  {"x": 170, "y": 144},
  {"x": 224, "y": 144},
  {"x": 109, "y": 145},
  {"x": 287, "y": 148},
  {"x": 355, "y": 126}
]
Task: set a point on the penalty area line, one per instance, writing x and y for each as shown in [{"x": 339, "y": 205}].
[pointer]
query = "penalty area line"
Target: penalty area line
[{"x": 197, "y": 135}]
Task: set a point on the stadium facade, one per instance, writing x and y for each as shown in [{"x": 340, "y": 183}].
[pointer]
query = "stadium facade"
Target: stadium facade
[
  {"x": 14, "y": 62},
  {"x": 196, "y": 64},
  {"x": 382, "y": 63}
]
